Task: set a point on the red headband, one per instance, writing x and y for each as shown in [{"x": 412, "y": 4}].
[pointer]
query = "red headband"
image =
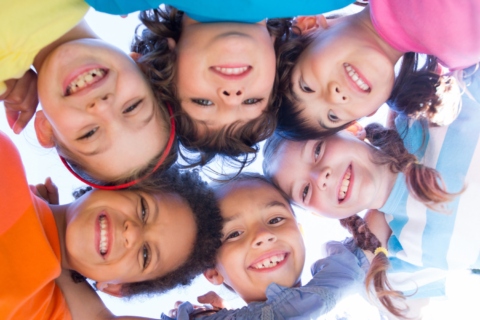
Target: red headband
[{"x": 131, "y": 183}]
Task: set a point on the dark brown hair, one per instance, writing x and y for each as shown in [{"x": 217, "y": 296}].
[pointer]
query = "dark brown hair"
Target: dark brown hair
[{"x": 236, "y": 141}]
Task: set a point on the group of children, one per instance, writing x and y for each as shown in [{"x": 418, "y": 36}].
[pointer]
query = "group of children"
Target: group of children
[{"x": 215, "y": 79}]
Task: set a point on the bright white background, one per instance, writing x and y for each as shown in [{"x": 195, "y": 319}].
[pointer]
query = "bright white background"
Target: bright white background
[{"x": 41, "y": 163}]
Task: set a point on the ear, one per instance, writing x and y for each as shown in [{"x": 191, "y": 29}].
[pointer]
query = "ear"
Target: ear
[
  {"x": 113, "y": 289},
  {"x": 135, "y": 56},
  {"x": 308, "y": 24},
  {"x": 357, "y": 130},
  {"x": 171, "y": 43},
  {"x": 44, "y": 130},
  {"x": 213, "y": 276}
]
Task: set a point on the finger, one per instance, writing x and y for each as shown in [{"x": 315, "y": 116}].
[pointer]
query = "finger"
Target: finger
[
  {"x": 177, "y": 304},
  {"x": 42, "y": 191},
  {"x": 10, "y": 85},
  {"x": 34, "y": 190},
  {"x": 12, "y": 116},
  {"x": 24, "y": 100},
  {"x": 208, "y": 297}
]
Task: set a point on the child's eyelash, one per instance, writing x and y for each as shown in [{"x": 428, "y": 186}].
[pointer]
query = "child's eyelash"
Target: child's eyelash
[{"x": 89, "y": 134}]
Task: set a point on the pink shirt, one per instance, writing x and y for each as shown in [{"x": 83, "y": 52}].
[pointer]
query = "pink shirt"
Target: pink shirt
[{"x": 448, "y": 29}]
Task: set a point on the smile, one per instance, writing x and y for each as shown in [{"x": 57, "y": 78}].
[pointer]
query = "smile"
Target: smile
[
  {"x": 356, "y": 78},
  {"x": 85, "y": 80},
  {"x": 232, "y": 72},
  {"x": 269, "y": 262},
  {"x": 342, "y": 193},
  {"x": 103, "y": 243}
]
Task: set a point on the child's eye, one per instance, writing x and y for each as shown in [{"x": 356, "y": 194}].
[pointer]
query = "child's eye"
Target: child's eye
[
  {"x": 143, "y": 209},
  {"x": 317, "y": 150},
  {"x": 89, "y": 134},
  {"x": 146, "y": 256},
  {"x": 132, "y": 107},
  {"x": 252, "y": 101},
  {"x": 305, "y": 192},
  {"x": 332, "y": 117},
  {"x": 233, "y": 235},
  {"x": 303, "y": 86},
  {"x": 203, "y": 102},
  {"x": 276, "y": 220}
]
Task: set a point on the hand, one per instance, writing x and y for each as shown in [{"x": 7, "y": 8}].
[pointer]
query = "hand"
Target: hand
[
  {"x": 48, "y": 191},
  {"x": 20, "y": 100},
  {"x": 213, "y": 299},
  {"x": 357, "y": 130}
]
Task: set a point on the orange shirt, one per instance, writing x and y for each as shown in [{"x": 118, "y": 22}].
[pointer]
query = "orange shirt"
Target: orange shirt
[{"x": 29, "y": 247}]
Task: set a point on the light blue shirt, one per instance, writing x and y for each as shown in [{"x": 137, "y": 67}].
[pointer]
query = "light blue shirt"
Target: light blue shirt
[
  {"x": 334, "y": 277},
  {"x": 249, "y": 11}
]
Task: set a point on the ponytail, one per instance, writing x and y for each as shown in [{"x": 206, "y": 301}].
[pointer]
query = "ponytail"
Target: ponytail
[
  {"x": 377, "y": 273},
  {"x": 424, "y": 183}
]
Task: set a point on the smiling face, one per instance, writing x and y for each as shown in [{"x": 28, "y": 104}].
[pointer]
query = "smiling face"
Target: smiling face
[
  {"x": 98, "y": 105},
  {"x": 335, "y": 177},
  {"x": 262, "y": 242},
  {"x": 225, "y": 71},
  {"x": 128, "y": 236},
  {"x": 346, "y": 73}
]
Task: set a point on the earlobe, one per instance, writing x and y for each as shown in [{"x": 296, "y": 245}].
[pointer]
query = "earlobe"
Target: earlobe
[
  {"x": 213, "y": 276},
  {"x": 44, "y": 130},
  {"x": 135, "y": 56},
  {"x": 171, "y": 43},
  {"x": 308, "y": 24},
  {"x": 113, "y": 289}
]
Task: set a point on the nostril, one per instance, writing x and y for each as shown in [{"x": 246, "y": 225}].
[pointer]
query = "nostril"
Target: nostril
[
  {"x": 337, "y": 90},
  {"x": 344, "y": 98},
  {"x": 105, "y": 98},
  {"x": 226, "y": 93},
  {"x": 239, "y": 93}
]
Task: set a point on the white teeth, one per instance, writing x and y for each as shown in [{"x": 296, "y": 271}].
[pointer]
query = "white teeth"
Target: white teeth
[
  {"x": 269, "y": 262},
  {"x": 85, "y": 79},
  {"x": 231, "y": 71},
  {"x": 103, "y": 246},
  {"x": 345, "y": 184},
  {"x": 356, "y": 78}
]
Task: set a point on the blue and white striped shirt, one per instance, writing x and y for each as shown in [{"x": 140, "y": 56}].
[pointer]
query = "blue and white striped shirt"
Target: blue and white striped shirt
[{"x": 424, "y": 244}]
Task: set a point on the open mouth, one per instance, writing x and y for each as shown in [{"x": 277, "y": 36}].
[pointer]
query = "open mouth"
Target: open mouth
[
  {"x": 235, "y": 72},
  {"x": 345, "y": 186},
  {"x": 85, "y": 80},
  {"x": 356, "y": 78},
  {"x": 269, "y": 262},
  {"x": 103, "y": 242}
]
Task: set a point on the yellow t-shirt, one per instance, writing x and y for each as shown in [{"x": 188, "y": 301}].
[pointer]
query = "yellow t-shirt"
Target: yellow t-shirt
[{"x": 27, "y": 26}]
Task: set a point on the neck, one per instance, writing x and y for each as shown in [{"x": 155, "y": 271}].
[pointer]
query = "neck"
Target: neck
[
  {"x": 59, "y": 214},
  {"x": 363, "y": 17},
  {"x": 386, "y": 187},
  {"x": 80, "y": 31}
]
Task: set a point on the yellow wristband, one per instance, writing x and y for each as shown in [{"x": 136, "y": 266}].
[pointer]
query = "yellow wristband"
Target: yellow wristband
[{"x": 381, "y": 249}]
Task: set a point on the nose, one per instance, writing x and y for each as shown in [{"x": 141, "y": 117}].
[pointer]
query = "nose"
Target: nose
[
  {"x": 131, "y": 234},
  {"x": 232, "y": 96},
  {"x": 336, "y": 93},
  {"x": 322, "y": 177},
  {"x": 262, "y": 238},
  {"x": 99, "y": 102}
]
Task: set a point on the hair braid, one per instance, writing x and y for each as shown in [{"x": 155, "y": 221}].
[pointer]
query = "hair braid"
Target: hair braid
[{"x": 377, "y": 273}]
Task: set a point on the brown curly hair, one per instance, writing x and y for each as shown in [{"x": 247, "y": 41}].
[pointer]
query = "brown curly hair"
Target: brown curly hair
[{"x": 237, "y": 141}]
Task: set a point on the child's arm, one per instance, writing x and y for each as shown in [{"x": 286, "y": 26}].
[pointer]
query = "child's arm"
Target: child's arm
[
  {"x": 334, "y": 277},
  {"x": 20, "y": 100},
  {"x": 84, "y": 303}
]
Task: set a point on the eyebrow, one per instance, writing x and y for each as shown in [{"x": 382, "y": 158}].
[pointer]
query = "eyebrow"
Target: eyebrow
[
  {"x": 225, "y": 220},
  {"x": 156, "y": 213},
  {"x": 275, "y": 203}
]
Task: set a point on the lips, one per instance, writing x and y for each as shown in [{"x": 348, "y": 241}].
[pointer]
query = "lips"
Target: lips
[
  {"x": 345, "y": 185},
  {"x": 358, "y": 81},
  {"x": 84, "y": 78},
  {"x": 232, "y": 72},
  {"x": 269, "y": 262}
]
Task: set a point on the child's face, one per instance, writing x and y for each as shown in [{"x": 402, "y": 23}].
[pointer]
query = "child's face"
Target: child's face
[
  {"x": 225, "y": 71},
  {"x": 110, "y": 123},
  {"x": 343, "y": 75},
  {"x": 335, "y": 178},
  {"x": 259, "y": 228},
  {"x": 128, "y": 236}
]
